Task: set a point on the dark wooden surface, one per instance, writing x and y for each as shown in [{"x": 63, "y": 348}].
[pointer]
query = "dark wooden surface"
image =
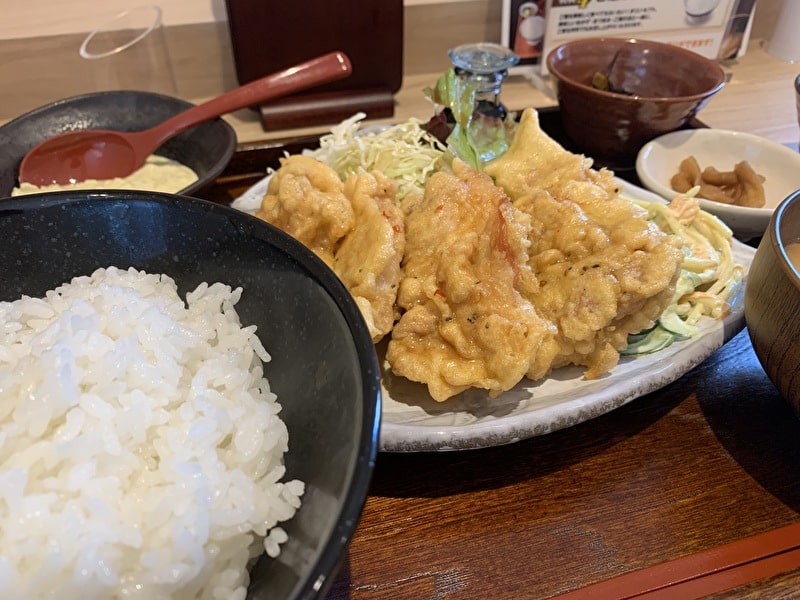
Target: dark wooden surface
[{"x": 709, "y": 459}]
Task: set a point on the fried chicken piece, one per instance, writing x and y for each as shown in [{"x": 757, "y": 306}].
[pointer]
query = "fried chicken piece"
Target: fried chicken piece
[
  {"x": 305, "y": 198},
  {"x": 603, "y": 274},
  {"x": 535, "y": 161},
  {"x": 604, "y": 270},
  {"x": 368, "y": 259},
  {"x": 466, "y": 323},
  {"x": 355, "y": 227}
]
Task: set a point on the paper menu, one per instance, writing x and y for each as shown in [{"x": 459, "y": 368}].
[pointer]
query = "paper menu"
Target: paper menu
[{"x": 716, "y": 29}]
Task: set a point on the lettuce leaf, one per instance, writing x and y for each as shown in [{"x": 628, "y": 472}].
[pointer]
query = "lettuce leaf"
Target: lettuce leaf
[{"x": 476, "y": 138}]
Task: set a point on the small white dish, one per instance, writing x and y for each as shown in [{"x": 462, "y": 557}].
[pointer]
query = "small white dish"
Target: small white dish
[{"x": 658, "y": 161}]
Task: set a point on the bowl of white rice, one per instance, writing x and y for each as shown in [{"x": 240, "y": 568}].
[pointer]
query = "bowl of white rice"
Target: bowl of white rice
[{"x": 191, "y": 403}]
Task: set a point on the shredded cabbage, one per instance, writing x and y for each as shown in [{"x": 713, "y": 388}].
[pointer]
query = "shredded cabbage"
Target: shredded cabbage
[
  {"x": 709, "y": 276},
  {"x": 405, "y": 152}
]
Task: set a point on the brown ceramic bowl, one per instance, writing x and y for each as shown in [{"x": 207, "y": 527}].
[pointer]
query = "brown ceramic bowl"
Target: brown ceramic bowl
[
  {"x": 772, "y": 302},
  {"x": 661, "y": 87}
]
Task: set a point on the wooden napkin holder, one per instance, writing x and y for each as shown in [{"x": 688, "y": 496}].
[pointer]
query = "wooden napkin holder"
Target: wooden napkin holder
[{"x": 269, "y": 35}]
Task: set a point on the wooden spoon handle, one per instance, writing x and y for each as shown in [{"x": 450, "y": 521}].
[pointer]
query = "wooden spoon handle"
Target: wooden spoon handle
[{"x": 323, "y": 69}]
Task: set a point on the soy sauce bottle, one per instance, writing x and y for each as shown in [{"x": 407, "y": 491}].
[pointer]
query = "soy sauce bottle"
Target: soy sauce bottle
[{"x": 483, "y": 65}]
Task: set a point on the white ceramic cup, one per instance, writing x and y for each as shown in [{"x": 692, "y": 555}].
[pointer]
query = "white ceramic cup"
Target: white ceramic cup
[
  {"x": 699, "y": 9},
  {"x": 129, "y": 51},
  {"x": 532, "y": 29}
]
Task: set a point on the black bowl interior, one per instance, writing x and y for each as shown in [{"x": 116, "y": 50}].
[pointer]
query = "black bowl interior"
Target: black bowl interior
[
  {"x": 323, "y": 369},
  {"x": 206, "y": 148}
]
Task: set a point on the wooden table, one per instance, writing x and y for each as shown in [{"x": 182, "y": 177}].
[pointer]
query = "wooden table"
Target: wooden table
[{"x": 709, "y": 459}]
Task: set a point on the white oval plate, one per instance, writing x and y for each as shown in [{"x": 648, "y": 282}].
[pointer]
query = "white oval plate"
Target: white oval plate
[
  {"x": 658, "y": 161},
  {"x": 413, "y": 422}
]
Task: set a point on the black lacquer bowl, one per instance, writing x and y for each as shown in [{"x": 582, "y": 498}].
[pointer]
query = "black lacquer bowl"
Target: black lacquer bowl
[
  {"x": 324, "y": 369},
  {"x": 206, "y": 148}
]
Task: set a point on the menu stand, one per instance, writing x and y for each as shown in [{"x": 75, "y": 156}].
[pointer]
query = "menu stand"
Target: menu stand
[{"x": 269, "y": 35}]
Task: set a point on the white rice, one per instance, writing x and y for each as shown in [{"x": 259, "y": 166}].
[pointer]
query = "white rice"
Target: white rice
[{"x": 141, "y": 450}]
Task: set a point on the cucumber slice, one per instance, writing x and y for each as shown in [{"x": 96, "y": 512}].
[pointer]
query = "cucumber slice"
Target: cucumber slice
[
  {"x": 654, "y": 340},
  {"x": 670, "y": 321}
]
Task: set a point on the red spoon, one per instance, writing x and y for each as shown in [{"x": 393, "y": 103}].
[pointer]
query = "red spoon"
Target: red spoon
[{"x": 103, "y": 154}]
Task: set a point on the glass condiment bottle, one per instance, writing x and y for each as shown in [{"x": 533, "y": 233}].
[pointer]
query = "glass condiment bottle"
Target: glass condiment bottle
[{"x": 485, "y": 65}]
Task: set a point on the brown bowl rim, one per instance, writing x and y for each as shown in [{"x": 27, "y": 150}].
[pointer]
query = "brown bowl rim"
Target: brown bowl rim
[
  {"x": 647, "y": 43},
  {"x": 779, "y": 244}
]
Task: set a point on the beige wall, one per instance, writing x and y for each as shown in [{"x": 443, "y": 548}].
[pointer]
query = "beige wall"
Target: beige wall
[
  {"x": 46, "y": 66},
  {"x": 39, "y": 41},
  {"x": 35, "y": 18},
  {"x": 766, "y": 15},
  {"x": 38, "y": 18}
]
